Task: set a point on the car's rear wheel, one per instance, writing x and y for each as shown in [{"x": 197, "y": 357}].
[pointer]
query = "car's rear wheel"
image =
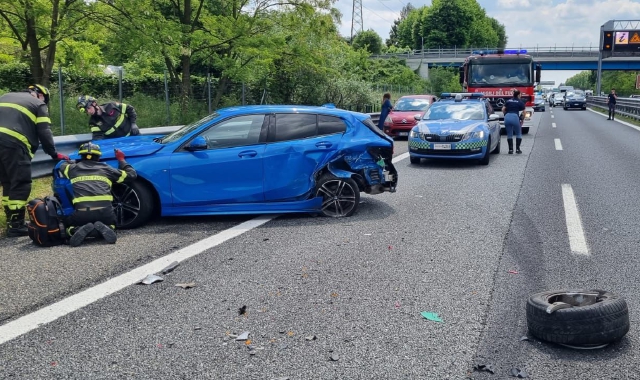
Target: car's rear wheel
[
  {"x": 340, "y": 196},
  {"x": 414, "y": 160},
  {"x": 132, "y": 203}
]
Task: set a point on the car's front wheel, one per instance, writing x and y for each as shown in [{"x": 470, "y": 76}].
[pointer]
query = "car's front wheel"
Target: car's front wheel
[
  {"x": 414, "y": 160},
  {"x": 132, "y": 203},
  {"x": 340, "y": 196}
]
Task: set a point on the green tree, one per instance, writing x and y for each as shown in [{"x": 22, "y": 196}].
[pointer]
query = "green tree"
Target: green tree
[
  {"x": 583, "y": 80},
  {"x": 39, "y": 26},
  {"x": 369, "y": 40},
  {"x": 394, "y": 35}
]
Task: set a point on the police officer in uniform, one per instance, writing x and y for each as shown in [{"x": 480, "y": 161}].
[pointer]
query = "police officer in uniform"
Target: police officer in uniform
[
  {"x": 513, "y": 120},
  {"x": 24, "y": 124},
  {"x": 109, "y": 120},
  {"x": 92, "y": 181}
]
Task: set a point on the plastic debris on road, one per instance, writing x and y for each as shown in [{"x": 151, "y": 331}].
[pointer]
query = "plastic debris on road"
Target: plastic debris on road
[
  {"x": 513, "y": 271},
  {"x": 334, "y": 358},
  {"x": 150, "y": 279},
  {"x": 525, "y": 338},
  {"x": 311, "y": 337},
  {"x": 519, "y": 373},
  {"x": 242, "y": 310},
  {"x": 171, "y": 267},
  {"x": 187, "y": 285},
  {"x": 243, "y": 336},
  {"x": 484, "y": 367},
  {"x": 431, "y": 316}
]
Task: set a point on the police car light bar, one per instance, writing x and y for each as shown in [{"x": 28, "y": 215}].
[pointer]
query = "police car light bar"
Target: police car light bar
[
  {"x": 445, "y": 95},
  {"x": 498, "y": 51}
]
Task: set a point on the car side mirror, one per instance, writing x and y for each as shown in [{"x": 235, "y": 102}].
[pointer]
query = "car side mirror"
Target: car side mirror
[
  {"x": 199, "y": 143},
  {"x": 494, "y": 117}
]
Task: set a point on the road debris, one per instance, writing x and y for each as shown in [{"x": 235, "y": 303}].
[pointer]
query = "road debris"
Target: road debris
[
  {"x": 171, "y": 267},
  {"x": 187, "y": 285},
  {"x": 431, "y": 316},
  {"x": 520, "y": 373},
  {"x": 311, "y": 337},
  {"x": 525, "y": 338},
  {"x": 513, "y": 271},
  {"x": 243, "y": 336},
  {"x": 242, "y": 310},
  {"x": 150, "y": 279},
  {"x": 334, "y": 358},
  {"x": 397, "y": 305},
  {"x": 480, "y": 367}
]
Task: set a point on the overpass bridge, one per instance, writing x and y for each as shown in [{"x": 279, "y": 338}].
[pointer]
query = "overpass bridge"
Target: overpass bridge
[{"x": 551, "y": 58}]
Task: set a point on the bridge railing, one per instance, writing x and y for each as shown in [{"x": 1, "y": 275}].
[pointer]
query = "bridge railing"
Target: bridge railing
[
  {"x": 42, "y": 165},
  {"x": 629, "y": 107},
  {"x": 553, "y": 51}
]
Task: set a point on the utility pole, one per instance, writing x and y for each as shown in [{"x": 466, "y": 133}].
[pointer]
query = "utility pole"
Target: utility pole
[{"x": 356, "y": 18}]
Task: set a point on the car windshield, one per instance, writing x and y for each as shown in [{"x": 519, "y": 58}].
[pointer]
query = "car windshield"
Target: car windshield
[
  {"x": 501, "y": 73},
  {"x": 411, "y": 104},
  {"x": 456, "y": 111},
  {"x": 187, "y": 129}
]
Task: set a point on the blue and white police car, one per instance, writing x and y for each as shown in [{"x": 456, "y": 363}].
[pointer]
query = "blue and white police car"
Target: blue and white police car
[{"x": 458, "y": 126}]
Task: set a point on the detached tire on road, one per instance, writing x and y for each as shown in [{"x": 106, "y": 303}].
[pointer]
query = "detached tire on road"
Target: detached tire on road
[{"x": 595, "y": 318}]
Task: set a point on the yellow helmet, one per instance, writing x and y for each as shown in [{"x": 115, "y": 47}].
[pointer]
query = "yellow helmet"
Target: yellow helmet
[
  {"x": 90, "y": 151},
  {"x": 41, "y": 90}
]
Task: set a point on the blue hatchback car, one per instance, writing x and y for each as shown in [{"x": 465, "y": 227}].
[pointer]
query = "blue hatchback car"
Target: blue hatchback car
[
  {"x": 458, "y": 126},
  {"x": 254, "y": 160}
]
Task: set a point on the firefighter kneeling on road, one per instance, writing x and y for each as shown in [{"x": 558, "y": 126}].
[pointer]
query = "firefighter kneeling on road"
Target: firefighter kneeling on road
[{"x": 91, "y": 181}]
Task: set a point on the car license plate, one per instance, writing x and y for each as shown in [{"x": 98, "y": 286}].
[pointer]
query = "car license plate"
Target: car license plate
[
  {"x": 576, "y": 104},
  {"x": 442, "y": 146},
  {"x": 403, "y": 133}
]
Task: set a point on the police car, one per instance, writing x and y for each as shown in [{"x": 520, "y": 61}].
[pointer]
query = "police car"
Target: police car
[{"x": 458, "y": 126}]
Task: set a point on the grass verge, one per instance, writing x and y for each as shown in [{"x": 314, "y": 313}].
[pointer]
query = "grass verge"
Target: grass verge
[
  {"x": 40, "y": 187},
  {"x": 618, "y": 116}
]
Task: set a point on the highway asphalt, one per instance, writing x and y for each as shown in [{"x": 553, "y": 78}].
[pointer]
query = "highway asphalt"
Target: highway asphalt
[{"x": 342, "y": 298}]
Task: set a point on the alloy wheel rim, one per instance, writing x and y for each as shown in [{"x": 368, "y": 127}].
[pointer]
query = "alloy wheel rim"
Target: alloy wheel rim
[
  {"x": 126, "y": 204},
  {"x": 338, "y": 198}
]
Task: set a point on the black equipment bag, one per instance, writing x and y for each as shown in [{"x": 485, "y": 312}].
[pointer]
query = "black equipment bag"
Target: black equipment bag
[{"x": 46, "y": 228}]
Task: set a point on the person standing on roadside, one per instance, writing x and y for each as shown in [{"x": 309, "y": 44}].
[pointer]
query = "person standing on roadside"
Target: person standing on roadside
[
  {"x": 513, "y": 120},
  {"x": 611, "y": 101},
  {"x": 386, "y": 108},
  {"x": 24, "y": 125},
  {"x": 109, "y": 120}
]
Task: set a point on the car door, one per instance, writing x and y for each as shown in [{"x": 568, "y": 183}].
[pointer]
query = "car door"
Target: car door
[
  {"x": 299, "y": 145},
  {"x": 229, "y": 170}
]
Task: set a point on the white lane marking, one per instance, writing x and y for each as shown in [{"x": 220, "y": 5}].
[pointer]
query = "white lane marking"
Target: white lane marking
[
  {"x": 399, "y": 158},
  {"x": 558, "y": 144},
  {"x": 75, "y": 302},
  {"x": 552, "y": 116},
  {"x": 619, "y": 121},
  {"x": 553, "y": 125},
  {"x": 577, "y": 241}
]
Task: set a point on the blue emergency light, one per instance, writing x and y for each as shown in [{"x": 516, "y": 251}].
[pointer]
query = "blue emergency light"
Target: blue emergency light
[
  {"x": 460, "y": 95},
  {"x": 496, "y": 51}
]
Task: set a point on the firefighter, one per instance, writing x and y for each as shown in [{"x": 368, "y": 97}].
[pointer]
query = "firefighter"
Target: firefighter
[
  {"x": 24, "y": 124},
  {"x": 109, "y": 120},
  {"x": 91, "y": 181}
]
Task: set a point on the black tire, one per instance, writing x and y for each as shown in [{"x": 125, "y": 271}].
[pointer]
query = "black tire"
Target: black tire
[
  {"x": 133, "y": 204},
  {"x": 485, "y": 159},
  {"x": 525, "y": 130},
  {"x": 592, "y": 324},
  {"x": 584, "y": 108},
  {"x": 340, "y": 196},
  {"x": 414, "y": 160},
  {"x": 496, "y": 150}
]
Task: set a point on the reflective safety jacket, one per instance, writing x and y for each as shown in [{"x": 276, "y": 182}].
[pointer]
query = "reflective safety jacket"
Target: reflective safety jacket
[
  {"x": 24, "y": 121},
  {"x": 115, "y": 121},
  {"x": 92, "y": 181}
]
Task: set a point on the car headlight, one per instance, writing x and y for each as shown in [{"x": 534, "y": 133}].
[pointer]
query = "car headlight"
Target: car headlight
[
  {"x": 473, "y": 135},
  {"x": 414, "y": 134}
]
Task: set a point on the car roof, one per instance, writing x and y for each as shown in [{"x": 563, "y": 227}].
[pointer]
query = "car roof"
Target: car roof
[
  {"x": 422, "y": 96},
  {"x": 282, "y": 108}
]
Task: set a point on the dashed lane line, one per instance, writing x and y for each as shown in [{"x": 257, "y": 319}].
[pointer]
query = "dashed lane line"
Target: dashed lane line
[
  {"x": 553, "y": 125},
  {"x": 577, "y": 240},
  {"x": 558, "y": 144}
]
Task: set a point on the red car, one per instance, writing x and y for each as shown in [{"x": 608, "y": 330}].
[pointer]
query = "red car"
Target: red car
[{"x": 403, "y": 116}]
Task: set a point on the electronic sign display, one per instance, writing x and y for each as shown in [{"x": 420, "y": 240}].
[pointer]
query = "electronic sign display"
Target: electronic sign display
[{"x": 627, "y": 41}]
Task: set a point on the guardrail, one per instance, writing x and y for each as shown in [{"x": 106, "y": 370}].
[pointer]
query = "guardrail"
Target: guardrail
[
  {"x": 569, "y": 51},
  {"x": 629, "y": 107},
  {"x": 42, "y": 164}
]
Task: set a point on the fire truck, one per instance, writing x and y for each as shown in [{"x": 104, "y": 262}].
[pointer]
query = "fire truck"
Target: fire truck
[{"x": 496, "y": 73}]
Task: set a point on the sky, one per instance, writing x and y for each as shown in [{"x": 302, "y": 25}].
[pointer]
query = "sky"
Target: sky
[{"x": 528, "y": 23}]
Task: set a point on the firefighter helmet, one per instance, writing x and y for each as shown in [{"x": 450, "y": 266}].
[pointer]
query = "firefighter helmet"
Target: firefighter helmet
[
  {"x": 90, "y": 151},
  {"x": 83, "y": 102},
  {"x": 40, "y": 89}
]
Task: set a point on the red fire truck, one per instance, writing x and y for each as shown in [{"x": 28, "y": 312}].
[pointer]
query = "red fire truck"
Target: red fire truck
[{"x": 496, "y": 73}]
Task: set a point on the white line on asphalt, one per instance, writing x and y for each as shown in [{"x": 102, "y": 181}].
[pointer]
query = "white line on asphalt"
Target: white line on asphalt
[
  {"x": 577, "y": 241},
  {"x": 619, "y": 121},
  {"x": 558, "y": 144},
  {"x": 552, "y": 116},
  {"x": 75, "y": 302},
  {"x": 553, "y": 125},
  {"x": 399, "y": 158}
]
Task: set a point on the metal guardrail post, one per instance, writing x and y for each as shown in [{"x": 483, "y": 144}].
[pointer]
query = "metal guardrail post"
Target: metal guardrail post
[
  {"x": 61, "y": 91},
  {"x": 120, "y": 84}
]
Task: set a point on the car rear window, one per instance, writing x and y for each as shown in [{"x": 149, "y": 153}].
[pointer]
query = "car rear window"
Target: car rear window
[
  {"x": 374, "y": 128},
  {"x": 328, "y": 125}
]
